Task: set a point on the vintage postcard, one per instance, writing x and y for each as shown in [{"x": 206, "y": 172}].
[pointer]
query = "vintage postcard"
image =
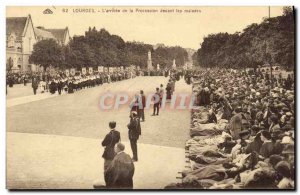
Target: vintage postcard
[{"x": 147, "y": 98}]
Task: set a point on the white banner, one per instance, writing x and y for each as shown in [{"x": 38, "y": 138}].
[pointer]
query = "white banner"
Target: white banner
[
  {"x": 72, "y": 71},
  {"x": 90, "y": 70},
  {"x": 100, "y": 69},
  {"x": 83, "y": 70},
  {"x": 52, "y": 72},
  {"x": 67, "y": 72}
]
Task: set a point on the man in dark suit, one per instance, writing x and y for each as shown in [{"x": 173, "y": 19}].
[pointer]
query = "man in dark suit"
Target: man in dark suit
[
  {"x": 135, "y": 104},
  {"x": 134, "y": 131},
  {"x": 59, "y": 86},
  {"x": 156, "y": 99},
  {"x": 109, "y": 142},
  {"x": 142, "y": 105},
  {"x": 161, "y": 94},
  {"x": 121, "y": 170},
  {"x": 35, "y": 84}
]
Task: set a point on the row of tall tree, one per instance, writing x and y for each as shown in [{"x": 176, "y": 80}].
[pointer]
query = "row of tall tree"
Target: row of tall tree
[
  {"x": 100, "y": 48},
  {"x": 270, "y": 42}
]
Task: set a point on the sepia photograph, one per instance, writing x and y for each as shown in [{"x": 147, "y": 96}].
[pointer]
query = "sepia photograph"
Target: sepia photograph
[{"x": 150, "y": 98}]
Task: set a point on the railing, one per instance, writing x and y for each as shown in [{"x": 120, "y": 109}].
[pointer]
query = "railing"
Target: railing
[{"x": 13, "y": 49}]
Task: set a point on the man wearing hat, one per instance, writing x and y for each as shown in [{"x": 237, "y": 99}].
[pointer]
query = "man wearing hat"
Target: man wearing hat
[
  {"x": 289, "y": 153},
  {"x": 276, "y": 137},
  {"x": 267, "y": 148},
  {"x": 236, "y": 123},
  {"x": 244, "y": 137},
  {"x": 35, "y": 85},
  {"x": 142, "y": 106},
  {"x": 109, "y": 142},
  {"x": 59, "y": 85},
  {"x": 156, "y": 99},
  {"x": 274, "y": 123},
  {"x": 285, "y": 118},
  {"x": 284, "y": 171},
  {"x": 134, "y": 131}
]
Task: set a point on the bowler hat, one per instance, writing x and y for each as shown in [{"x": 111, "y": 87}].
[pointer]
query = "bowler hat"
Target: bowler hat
[{"x": 243, "y": 133}]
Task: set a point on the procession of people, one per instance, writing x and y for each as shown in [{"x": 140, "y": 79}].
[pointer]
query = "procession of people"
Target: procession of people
[{"x": 62, "y": 83}]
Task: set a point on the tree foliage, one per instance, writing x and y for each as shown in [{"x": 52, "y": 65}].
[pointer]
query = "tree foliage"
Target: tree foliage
[
  {"x": 271, "y": 41},
  {"x": 164, "y": 56},
  {"x": 47, "y": 53},
  {"x": 100, "y": 48}
]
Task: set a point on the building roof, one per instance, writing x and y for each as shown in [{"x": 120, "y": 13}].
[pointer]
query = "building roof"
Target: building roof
[
  {"x": 18, "y": 25},
  {"x": 43, "y": 33},
  {"x": 15, "y": 25},
  {"x": 59, "y": 34}
]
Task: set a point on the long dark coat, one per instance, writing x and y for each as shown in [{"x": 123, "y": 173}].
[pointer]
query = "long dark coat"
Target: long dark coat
[
  {"x": 109, "y": 142},
  {"x": 134, "y": 129},
  {"x": 120, "y": 172}
]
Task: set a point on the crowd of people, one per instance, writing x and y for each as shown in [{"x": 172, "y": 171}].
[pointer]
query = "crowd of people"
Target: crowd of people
[
  {"x": 242, "y": 131},
  {"x": 18, "y": 78},
  {"x": 61, "y": 83},
  {"x": 75, "y": 83}
]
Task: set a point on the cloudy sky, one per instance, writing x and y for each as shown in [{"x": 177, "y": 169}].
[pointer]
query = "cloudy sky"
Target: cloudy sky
[{"x": 185, "y": 29}]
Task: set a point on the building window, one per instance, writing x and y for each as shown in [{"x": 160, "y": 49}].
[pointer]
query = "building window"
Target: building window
[
  {"x": 19, "y": 61},
  {"x": 10, "y": 63},
  {"x": 29, "y": 46},
  {"x": 11, "y": 41}
]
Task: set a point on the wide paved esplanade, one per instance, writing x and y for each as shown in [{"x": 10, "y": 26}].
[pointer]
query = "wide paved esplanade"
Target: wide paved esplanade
[{"x": 135, "y": 98}]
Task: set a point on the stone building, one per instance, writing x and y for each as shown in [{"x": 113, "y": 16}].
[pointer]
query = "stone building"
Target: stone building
[
  {"x": 21, "y": 35},
  {"x": 20, "y": 38}
]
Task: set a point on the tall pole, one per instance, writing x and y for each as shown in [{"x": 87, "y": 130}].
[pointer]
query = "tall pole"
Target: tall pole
[
  {"x": 271, "y": 71},
  {"x": 270, "y": 62}
]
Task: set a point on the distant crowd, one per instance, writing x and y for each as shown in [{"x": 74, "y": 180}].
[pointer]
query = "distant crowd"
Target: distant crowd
[{"x": 62, "y": 83}]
